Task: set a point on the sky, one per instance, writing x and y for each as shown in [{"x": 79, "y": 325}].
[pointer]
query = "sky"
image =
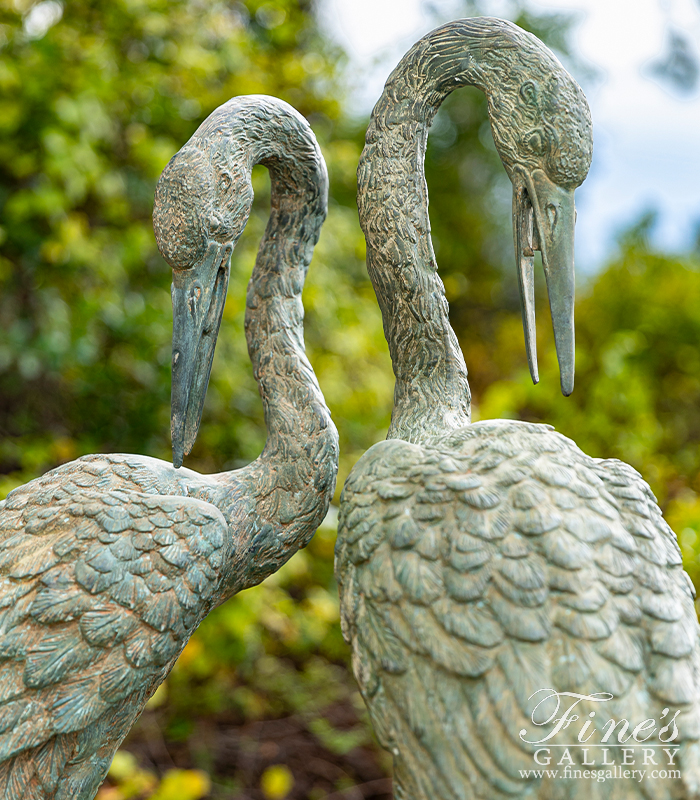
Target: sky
[{"x": 646, "y": 134}]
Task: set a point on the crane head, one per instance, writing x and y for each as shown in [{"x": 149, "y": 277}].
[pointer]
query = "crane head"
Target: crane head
[
  {"x": 541, "y": 125},
  {"x": 201, "y": 206}
]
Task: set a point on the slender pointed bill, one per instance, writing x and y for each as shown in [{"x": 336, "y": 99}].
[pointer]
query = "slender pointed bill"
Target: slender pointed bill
[
  {"x": 525, "y": 245},
  {"x": 198, "y": 296},
  {"x": 544, "y": 218}
]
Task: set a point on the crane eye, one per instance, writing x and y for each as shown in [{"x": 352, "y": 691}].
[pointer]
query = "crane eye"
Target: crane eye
[
  {"x": 552, "y": 214},
  {"x": 535, "y": 142},
  {"x": 528, "y": 91}
]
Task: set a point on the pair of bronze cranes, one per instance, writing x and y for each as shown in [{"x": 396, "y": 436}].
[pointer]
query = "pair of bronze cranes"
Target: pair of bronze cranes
[{"x": 477, "y": 564}]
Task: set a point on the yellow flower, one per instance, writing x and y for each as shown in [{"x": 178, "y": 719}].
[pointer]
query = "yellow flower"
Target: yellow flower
[
  {"x": 276, "y": 782},
  {"x": 183, "y": 784}
]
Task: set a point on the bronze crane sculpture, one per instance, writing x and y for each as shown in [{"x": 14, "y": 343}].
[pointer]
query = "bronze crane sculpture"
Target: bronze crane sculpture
[
  {"x": 482, "y": 564},
  {"x": 110, "y": 562}
]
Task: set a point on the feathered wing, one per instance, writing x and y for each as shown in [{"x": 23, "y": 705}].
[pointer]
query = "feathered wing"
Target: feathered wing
[
  {"x": 100, "y": 590},
  {"x": 500, "y": 562}
]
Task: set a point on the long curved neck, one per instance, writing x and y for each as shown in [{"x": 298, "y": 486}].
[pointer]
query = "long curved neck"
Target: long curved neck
[
  {"x": 291, "y": 483},
  {"x": 432, "y": 394},
  {"x": 295, "y": 410}
]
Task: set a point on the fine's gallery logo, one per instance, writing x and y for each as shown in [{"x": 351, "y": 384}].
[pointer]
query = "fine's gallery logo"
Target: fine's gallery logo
[{"x": 576, "y": 737}]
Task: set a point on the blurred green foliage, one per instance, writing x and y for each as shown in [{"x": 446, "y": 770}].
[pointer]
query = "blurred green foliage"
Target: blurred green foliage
[{"x": 94, "y": 99}]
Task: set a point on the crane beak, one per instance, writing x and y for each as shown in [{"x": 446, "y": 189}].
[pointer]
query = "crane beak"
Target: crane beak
[
  {"x": 198, "y": 296},
  {"x": 544, "y": 216}
]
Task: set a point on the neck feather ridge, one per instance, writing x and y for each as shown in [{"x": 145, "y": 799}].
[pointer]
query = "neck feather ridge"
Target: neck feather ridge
[
  {"x": 289, "y": 486},
  {"x": 432, "y": 394}
]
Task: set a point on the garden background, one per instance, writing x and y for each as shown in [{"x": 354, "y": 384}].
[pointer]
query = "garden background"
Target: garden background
[{"x": 95, "y": 98}]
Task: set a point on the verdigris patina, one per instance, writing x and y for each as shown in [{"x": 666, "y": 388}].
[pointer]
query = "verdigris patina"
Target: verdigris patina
[
  {"x": 481, "y": 564},
  {"x": 109, "y": 563}
]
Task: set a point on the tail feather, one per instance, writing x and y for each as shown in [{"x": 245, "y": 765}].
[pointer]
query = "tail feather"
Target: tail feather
[
  {"x": 82, "y": 781},
  {"x": 51, "y": 760},
  {"x": 35, "y": 773},
  {"x": 18, "y": 779}
]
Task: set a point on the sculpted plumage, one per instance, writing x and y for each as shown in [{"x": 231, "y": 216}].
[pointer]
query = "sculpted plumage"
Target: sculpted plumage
[
  {"x": 481, "y": 563},
  {"x": 109, "y": 563}
]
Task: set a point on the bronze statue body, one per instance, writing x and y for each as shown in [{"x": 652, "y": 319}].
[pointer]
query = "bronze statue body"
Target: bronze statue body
[
  {"x": 480, "y": 564},
  {"x": 109, "y": 563}
]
